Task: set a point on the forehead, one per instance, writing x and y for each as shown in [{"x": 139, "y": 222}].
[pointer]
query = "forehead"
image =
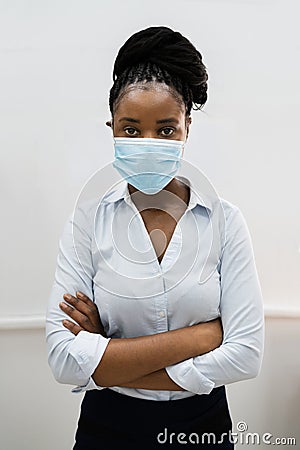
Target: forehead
[{"x": 148, "y": 99}]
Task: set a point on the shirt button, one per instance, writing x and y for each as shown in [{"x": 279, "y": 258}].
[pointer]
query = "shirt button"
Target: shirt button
[{"x": 162, "y": 314}]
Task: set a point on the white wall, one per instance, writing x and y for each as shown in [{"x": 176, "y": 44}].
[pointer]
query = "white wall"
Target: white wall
[{"x": 55, "y": 74}]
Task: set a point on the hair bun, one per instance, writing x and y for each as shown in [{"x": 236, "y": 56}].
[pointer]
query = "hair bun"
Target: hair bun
[{"x": 170, "y": 51}]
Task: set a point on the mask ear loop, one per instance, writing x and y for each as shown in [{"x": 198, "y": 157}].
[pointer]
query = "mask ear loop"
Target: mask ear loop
[{"x": 182, "y": 148}]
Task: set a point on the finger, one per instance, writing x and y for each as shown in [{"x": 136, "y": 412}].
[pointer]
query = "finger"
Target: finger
[
  {"x": 84, "y": 298},
  {"x": 73, "y": 327},
  {"x": 87, "y": 307},
  {"x": 80, "y": 318}
]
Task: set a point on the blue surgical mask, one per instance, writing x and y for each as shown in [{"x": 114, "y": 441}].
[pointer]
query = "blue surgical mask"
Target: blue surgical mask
[{"x": 148, "y": 164}]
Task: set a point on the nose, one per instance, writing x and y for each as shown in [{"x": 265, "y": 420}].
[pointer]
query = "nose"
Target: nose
[{"x": 149, "y": 134}]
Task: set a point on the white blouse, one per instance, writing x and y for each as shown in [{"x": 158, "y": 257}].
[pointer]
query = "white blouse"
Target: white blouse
[{"x": 207, "y": 271}]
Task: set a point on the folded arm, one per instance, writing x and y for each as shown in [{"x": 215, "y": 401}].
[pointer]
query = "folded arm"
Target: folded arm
[{"x": 144, "y": 355}]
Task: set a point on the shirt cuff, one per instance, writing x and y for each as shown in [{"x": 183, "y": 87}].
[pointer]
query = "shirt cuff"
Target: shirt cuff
[
  {"x": 189, "y": 378},
  {"x": 87, "y": 387},
  {"x": 87, "y": 349}
]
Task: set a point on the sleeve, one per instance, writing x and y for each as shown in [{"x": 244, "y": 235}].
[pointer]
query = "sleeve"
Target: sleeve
[
  {"x": 240, "y": 355},
  {"x": 73, "y": 359}
]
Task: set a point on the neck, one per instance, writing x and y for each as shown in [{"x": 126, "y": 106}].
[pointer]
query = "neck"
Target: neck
[{"x": 175, "y": 195}]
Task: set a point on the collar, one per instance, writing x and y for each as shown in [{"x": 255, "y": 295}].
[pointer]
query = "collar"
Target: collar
[{"x": 120, "y": 191}]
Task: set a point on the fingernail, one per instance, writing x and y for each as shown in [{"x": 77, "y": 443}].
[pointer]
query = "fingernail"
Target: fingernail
[
  {"x": 68, "y": 296},
  {"x": 79, "y": 294}
]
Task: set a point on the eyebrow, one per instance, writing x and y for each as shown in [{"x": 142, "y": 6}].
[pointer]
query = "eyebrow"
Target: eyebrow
[
  {"x": 130, "y": 119},
  {"x": 169, "y": 120}
]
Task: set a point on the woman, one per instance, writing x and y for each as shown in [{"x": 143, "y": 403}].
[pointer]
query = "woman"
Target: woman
[{"x": 150, "y": 343}]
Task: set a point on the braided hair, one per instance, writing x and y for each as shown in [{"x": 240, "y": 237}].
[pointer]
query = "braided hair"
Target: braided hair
[{"x": 165, "y": 56}]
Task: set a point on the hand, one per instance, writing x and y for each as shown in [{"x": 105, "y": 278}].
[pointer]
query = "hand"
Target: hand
[
  {"x": 215, "y": 330},
  {"x": 84, "y": 311},
  {"x": 209, "y": 335}
]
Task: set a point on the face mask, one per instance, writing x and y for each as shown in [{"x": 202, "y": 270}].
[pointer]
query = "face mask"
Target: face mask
[{"x": 149, "y": 164}]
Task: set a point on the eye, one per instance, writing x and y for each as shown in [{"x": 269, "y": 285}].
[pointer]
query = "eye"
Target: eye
[
  {"x": 130, "y": 131},
  {"x": 167, "y": 131}
]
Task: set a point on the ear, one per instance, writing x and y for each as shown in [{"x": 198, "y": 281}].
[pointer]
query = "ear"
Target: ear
[{"x": 188, "y": 123}]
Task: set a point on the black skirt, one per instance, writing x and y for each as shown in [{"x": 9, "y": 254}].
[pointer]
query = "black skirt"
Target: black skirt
[{"x": 110, "y": 420}]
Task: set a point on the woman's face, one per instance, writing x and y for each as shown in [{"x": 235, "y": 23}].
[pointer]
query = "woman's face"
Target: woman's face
[{"x": 150, "y": 110}]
